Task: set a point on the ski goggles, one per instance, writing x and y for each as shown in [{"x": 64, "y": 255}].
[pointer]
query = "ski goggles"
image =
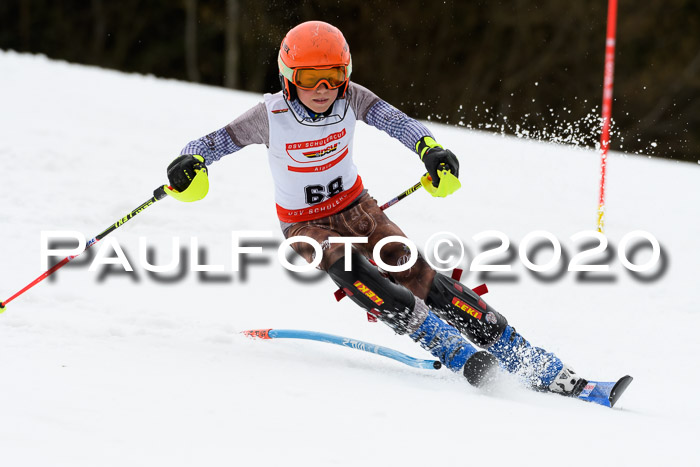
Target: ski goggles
[{"x": 311, "y": 78}]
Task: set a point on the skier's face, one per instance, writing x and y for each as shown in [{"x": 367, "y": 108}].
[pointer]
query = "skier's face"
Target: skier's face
[{"x": 319, "y": 99}]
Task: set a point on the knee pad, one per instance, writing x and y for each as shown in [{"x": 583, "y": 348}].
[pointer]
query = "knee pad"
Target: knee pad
[
  {"x": 376, "y": 293},
  {"x": 465, "y": 310}
]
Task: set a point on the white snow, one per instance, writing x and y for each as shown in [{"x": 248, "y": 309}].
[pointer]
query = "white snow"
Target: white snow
[{"x": 130, "y": 371}]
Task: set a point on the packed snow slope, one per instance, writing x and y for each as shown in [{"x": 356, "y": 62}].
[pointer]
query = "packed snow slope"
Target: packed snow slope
[{"x": 115, "y": 368}]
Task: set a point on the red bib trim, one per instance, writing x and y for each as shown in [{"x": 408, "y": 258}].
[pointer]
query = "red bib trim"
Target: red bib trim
[{"x": 324, "y": 209}]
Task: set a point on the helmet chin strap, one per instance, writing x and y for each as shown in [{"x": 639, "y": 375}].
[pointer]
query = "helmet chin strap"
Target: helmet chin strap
[
  {"x": 317, "y": 116},
  {"x": 313, "y": 118},
  {"x": 289, "y": 93}
]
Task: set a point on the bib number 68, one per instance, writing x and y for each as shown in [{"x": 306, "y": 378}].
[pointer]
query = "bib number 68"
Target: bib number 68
[{"x": 314, "y": 194}]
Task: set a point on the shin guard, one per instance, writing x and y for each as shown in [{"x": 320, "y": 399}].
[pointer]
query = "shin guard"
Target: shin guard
[
  {"x": 466, "y": 310},
  {"x": 391, "y": 303},
  {"x": 396, "y": 306}
]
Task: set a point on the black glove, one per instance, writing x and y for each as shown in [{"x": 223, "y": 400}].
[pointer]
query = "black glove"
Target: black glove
[
  {"x": 434, "y": 156},
  {"x": 181, "y": 171}
]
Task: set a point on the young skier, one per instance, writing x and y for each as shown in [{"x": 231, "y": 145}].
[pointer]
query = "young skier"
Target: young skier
[{"x": 308, "y": 128}]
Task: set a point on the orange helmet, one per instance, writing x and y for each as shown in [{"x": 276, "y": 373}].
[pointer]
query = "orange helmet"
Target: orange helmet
[{"x": 314, "y": 53}]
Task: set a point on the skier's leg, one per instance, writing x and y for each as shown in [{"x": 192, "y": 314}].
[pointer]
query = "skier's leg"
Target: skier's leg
[
  {"x": 465, "y": 309},
  {"x": 488, "y": 329},
  {"x": 367, "y": 220},
  {"x": 459, "y": 305},
  {"x": 397, "y": 307},
  {"x": 391, "y": 303}
]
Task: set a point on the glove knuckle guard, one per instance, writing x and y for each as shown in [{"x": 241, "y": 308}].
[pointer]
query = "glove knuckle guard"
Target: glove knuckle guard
[
  {"x": 188, "y": 178},
  {"x": 436, "y": 160},
  {"x": 182, "y": 171}
]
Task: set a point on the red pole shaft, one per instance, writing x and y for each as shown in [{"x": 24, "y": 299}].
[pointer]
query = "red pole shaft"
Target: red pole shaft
[
  {"x": 46, "y": 274},
  {"x": 607, "y": 104}
]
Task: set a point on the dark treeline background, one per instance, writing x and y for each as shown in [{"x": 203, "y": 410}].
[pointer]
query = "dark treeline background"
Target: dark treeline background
[{"x": 532, "y": 67}]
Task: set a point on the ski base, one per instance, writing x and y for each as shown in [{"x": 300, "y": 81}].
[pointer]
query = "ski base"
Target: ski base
[{"x": 605, "y": 393}]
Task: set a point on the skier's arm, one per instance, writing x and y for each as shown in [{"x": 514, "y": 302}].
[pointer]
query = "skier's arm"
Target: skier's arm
[
  {"x": 187, "y": 174},
  {"x": 380, "y": 114},
  {"x": 396, "y": 124},
  {"x": 212, "y": 147},
  {"x": 413, "y": 134},
  {"x": 250, "y": 128}
]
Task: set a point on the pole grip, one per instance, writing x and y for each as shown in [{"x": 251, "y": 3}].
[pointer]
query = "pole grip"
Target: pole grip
[{"x": 159, "y": 193}]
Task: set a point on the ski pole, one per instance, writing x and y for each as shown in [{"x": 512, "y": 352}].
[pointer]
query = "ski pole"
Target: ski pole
[
  {"x": 401, "y": 196},
  {"x": 344, "y": 341},
  {"x": 158, "y": 194},
  {"x": 426, "y": 182}
]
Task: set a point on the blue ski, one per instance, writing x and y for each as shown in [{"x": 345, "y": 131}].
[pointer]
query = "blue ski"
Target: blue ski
[{"x": 605, "y": 393}]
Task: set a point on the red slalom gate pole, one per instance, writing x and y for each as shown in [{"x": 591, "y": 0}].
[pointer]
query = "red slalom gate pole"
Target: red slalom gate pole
[{"x": 607, "y": 105}]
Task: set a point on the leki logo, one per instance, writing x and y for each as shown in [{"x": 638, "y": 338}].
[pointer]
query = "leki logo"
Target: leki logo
[
  {"x": 322, "y": 152},
  {"x": 365, "y": 290},
  {"x": 466, "y": 308}
]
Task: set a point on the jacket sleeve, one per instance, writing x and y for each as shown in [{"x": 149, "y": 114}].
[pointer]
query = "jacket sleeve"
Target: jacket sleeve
[
  {"x": 380, "y": 114},
  {"x": 251, "y": 127}
]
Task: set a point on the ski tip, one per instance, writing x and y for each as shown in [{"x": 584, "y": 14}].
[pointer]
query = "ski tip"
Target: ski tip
[
  {"x": 258, "y": 333},
  {"x": 619, "y": 389}
]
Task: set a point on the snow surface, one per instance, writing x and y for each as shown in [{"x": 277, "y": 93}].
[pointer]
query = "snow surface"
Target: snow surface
[{"x": 127, "y": 370}]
